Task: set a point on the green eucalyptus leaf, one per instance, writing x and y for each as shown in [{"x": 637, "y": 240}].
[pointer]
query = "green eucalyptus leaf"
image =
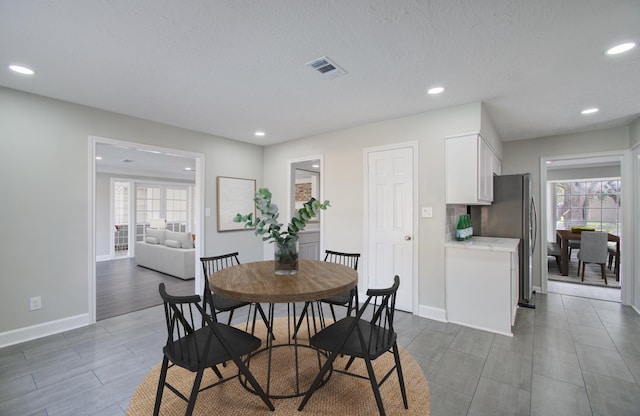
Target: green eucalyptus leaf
[{"x": 267, "y": 224}]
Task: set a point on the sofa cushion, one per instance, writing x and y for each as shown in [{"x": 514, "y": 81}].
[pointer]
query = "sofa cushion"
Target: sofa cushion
[
  {"x": 159, "y": 234},
  {"x": 151, "y": 240},
  {"x": 173, "y": 243},
  {"x": 185, "y": 238}
]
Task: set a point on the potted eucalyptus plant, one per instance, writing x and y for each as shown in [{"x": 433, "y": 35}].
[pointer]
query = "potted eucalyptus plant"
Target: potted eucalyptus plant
[{"x": 285, "y": 240}]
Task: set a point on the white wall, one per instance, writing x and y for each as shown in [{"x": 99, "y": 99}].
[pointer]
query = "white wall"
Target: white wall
[
  {"x": 523, "y": 156},
  {"x": 343, "y": 181},
  {"x": 634, "y": 133},
  {"x": 103, "y": 210},
  {"x": 45, "y": 150}
]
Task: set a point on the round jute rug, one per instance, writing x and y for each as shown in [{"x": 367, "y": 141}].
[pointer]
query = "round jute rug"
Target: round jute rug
[{"x": 341, "y": 395}]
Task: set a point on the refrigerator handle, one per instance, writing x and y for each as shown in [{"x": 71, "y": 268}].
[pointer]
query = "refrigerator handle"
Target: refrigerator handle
[{"x": 535, "y": 224}]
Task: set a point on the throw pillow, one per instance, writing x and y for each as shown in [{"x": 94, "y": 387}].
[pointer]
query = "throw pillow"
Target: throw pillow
[
  {"x": 184, "y": 238},
  {"x": 159, "y": 234},
  {"x": 173, "y": 243},
  {"x": 151, "y": 240}
]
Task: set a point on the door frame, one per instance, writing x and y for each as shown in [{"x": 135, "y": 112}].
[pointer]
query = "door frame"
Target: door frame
[
  {"x": 628, "y": 282},
  {"x": 291, "y": 181},
  {"x": 91, "y": 237},
  {"x": 364, "y": 276}
]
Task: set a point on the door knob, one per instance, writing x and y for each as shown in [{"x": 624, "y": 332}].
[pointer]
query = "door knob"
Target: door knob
[{"x": 407, "y": 237}]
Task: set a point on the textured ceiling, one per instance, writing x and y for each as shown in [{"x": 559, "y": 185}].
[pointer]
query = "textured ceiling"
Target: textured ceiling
[{"x": 231, "y": 67}]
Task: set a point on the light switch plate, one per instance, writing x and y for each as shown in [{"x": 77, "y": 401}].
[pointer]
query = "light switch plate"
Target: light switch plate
[{"x": 427, "y": 212}]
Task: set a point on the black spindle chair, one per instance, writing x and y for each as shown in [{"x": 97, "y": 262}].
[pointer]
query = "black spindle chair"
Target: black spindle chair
[
  {"x": 214, "y": 303},
  {"x": 348, "y": 299},
  {"x": 359, "y": 338},
  {"x": 196, "y": 347}
]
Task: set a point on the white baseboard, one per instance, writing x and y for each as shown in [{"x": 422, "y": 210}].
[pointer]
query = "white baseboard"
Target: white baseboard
[
  {"x": 105, "y": 257},
  {"x": 437, "y": 314},
  {"x": 507, "y": 333},
  {"x": 19, "y": 335},
  {"x": 536, "y": 289}
]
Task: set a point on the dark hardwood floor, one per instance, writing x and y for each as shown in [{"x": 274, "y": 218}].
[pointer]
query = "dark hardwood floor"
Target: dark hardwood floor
[{"x": 123, "y": 287}]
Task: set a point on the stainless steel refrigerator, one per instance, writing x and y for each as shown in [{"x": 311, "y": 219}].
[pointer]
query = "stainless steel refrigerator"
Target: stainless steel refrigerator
[{"x": 512, "y": 214}]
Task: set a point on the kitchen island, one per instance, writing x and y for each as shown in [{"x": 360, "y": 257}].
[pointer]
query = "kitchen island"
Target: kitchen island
[{"x": 482, "y": 283}]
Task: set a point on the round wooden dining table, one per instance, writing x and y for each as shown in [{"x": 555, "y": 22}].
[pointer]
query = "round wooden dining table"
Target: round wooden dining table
[{"x": 258, "y": 282}]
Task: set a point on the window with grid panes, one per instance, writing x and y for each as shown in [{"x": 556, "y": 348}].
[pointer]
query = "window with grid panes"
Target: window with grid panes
[
  {"x": 148, "y": 206},
  {"x": 176, "y": 209},
  {"x": 592, "y": 203},
  {"x": 121, "y": 214}
]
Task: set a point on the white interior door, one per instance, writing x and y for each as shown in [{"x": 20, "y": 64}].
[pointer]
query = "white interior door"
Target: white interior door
[{"x": 390, "y": 216}]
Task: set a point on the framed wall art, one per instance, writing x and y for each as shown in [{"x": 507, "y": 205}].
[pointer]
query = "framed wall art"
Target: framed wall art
[{"x": 235, "y": 196}]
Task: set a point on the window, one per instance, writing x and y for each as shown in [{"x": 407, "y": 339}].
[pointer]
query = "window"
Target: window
[
  {"x": 593, "y": 203},
  {"x": 176, "y": 208},
  {"x": 147, "y": 207},
  {"x": 174, "y": 203},
  {"x": 121, "y": 216}
]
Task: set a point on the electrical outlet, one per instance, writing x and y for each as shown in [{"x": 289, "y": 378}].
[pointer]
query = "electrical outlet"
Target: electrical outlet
[{"x": 35, "y": 303}]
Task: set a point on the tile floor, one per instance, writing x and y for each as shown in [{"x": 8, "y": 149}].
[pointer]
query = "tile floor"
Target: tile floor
[{"x": 569, "y": 356}]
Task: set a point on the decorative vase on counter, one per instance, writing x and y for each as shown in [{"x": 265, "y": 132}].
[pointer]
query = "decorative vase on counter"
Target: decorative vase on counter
[{"x": 286, "y": 257}]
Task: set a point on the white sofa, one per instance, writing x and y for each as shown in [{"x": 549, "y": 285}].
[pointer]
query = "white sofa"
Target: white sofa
[{"x": 168, "y": 252}]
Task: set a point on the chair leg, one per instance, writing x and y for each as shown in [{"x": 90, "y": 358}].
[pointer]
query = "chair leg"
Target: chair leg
[
  {"x": 318, "y": 380},
  {"x": 396, "y": 356},
  {"x": 333, "y": 313},
  {"x": 604, "y": 273},
  {"x": 252, "y": 380},
  {"x": 163, "y": 377},
  {"x": 218, "y": 373},
  {"x": 374, "y": 385},
  {"x": 579, "y": 264},
  {"x": 194, "y": 392},
  {"x": 582, "y": 271}
]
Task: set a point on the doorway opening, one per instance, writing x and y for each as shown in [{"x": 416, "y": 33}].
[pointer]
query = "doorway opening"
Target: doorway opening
[
  {"x": 582, "y": 191},
  {"x": 306, "y": 182},
  {"x": 119, "y": 170}
]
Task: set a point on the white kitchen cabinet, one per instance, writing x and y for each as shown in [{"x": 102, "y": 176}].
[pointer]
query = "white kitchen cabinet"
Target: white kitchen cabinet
[
  {"x": 496, "y": 165},
  {"x": 469, "y": 169},
  {"x": 482, "y": 283}
]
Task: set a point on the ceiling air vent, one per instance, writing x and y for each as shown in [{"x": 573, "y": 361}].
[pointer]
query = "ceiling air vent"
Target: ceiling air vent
[{"x": 326, "y": 67}]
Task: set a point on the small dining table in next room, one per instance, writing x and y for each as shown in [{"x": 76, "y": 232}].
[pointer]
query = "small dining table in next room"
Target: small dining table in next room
[{"x": 563, "y": 237}]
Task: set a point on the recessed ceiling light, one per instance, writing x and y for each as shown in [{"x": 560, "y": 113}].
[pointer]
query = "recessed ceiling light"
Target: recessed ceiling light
[
  {"x": 188, "y": 169},
  {"x": 589, "y": 111},
  {"x": 623, "y": 47},
  {"x": 259, "y": 133},
  {"x": 98, "y": 157},
  {"x": 435, "y": 90},
  {"x": 315, "y": 165},
  {"x": 22, "y": 69}
]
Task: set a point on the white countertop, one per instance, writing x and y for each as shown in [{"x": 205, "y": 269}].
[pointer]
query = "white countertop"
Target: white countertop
[{"x": 486, "y": 243}]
